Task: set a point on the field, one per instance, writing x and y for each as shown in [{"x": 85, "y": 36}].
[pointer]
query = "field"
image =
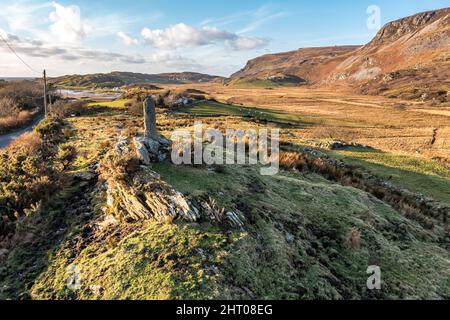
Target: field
[
  {"x": 385, "y": 124},
  {"x": 409, "y": 142},
  {"x": 120, "y": 103},
  {"x": 306, "y": 236}
]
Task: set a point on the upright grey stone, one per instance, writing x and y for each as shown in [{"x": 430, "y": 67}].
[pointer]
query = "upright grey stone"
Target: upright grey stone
[{"x": 150, "y": 119}]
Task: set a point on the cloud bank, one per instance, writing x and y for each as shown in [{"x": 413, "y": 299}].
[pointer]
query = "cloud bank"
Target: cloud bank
[
  {"x": 38, "y": 49},
  {"x": 183, "y": 35},
  {"x": 67, "y": 25}
]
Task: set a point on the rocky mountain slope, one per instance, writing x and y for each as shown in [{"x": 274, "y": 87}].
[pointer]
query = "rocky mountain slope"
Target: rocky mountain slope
[
  {"x": 118, "y": 79},
  {"x": 408, "y": 58},
  {"x": 310, "y": 64}
]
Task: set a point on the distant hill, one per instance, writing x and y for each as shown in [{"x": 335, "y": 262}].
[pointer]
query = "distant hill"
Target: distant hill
[
  {"x": 119, "y": 79},
  {"x": 408, "y": 58},
  {"x": 310, "y": 64}
]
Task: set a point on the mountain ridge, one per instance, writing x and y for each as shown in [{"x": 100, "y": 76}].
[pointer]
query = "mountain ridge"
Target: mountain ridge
[
  {"x": 119, "y": 79},
  {"x": 408, "y": 58}
]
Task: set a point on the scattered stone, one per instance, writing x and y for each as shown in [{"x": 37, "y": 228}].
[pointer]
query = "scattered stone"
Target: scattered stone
[
  {"x": 87, "y": 214},
  {"x": 289, "y": 237},
  {"x": 60, "y": 231},
  {"x": 236, "y": 219},
  {"x": 85, "y": 175},
  {"x": 201, "y": 252},
  {"x": 145, "y": 197},
  {"x": 109, "y": 220},
  {"x": 213, "y": 268},
  {"x": 96, "y": 289}
]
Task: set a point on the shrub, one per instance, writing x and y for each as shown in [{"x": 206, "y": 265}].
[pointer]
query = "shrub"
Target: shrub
[
  {"x": 66, "y": 155},
  {"x": 27, "y": 95},
  {"x": 64, "y": 108},
  {"x": 353, "y": 239},
  {"x": 8, "y": 107},
  {"x": 29, "y": 172},
  {"x": 16, "y": 121},
  {"x": 135, "y": 106}
]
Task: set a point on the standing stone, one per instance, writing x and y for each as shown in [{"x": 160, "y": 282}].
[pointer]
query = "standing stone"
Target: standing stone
[{"x": 150, "y": 119}]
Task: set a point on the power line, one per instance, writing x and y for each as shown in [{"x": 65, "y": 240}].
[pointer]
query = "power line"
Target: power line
[{"x": 17, "y": 55}]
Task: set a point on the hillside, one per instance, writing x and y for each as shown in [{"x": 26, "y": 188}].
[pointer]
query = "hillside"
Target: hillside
[
  {"x": 310, "y": 64},
  {"x": 138, "y": 186},
  {"x": 119, "y": 79},
  {"x": 302, "y": 233},
  {"x": 408, "y": 58}
]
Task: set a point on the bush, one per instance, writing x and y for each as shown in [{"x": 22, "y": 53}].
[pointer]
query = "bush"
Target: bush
[
  {"x": 64, "y": 108},
  {"x": 135, "y": 107},
  {"x": 29, "y": 171},
  {"x": 16, "y": 121},
  {"x": 66, "y": 155},
  {"x": 27, "y": 95}
]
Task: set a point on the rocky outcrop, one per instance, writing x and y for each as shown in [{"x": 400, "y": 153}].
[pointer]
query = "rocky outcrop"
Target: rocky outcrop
[
  {"x": 150, "y": 150},
  {"x": 136, "y": 192},
  {"x": 145, "y": 196}
]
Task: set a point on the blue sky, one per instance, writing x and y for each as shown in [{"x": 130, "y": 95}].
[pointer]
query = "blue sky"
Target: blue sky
[{"x": 217, "y": 37}]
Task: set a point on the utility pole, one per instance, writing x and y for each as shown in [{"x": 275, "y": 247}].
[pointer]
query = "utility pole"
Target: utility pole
[{"x": 45, "y": 93}]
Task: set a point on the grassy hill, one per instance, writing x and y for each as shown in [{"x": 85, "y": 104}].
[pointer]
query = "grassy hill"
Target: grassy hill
[
  {"x": 408, "y": 58},
  {"x": 304, "y": 236},
  {"x": 119, "y": 79}
]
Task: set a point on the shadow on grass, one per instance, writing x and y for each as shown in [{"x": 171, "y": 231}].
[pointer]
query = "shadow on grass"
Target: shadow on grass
[
  {"x": 414, "y": 174},
  {"x": 39, "y": 239},
  {"x": 262, "y": 115}
]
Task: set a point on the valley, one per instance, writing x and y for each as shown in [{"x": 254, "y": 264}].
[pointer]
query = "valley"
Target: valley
[
  {"x": 93, "y": 205},
  {"x": 292, "y": 220}
]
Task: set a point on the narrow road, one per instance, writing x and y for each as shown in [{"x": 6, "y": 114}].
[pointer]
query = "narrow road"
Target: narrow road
[{"x": 6, "y": 139}]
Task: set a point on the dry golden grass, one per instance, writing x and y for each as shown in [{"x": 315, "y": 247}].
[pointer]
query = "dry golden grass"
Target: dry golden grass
[
  {"x": 391, "y": 125},
  {"x": 13, "y": 122}
]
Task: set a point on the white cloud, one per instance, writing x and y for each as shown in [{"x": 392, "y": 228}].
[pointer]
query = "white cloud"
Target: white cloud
[
  {"x": 67, "y": 24},
  {"x": 23, "y": 15},
  {"x": 39, "y": 49},
  {"x": 183, "y": 35},
  {"x": 126, "y": 39},
  {"x": 247, "y": 43},
  {"x": 174, "y": 62},
  {"x": 261, "y": 16}
]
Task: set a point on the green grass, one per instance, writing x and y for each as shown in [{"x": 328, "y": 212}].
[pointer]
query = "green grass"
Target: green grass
[
  {"x": 111, "y": 104},
  {"x": 293, "y": 246},
  {"x": 413, "y": 173},
  {"x": 201, "y": 261},
  {"x": 210, "y": 108},
  {"x": 161, "y": 261},
  {"x": 261, "y": 83}
]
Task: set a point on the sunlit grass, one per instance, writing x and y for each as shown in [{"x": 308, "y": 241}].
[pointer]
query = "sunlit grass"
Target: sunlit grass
[
  {"x": 210, "y": 108},
  {"x": 111, "y": 104},
  {"x": 416, "y": 174}
]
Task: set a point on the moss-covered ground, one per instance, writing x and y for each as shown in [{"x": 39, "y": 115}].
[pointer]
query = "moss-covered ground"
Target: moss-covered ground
[{"x": 304, "y": 237}]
